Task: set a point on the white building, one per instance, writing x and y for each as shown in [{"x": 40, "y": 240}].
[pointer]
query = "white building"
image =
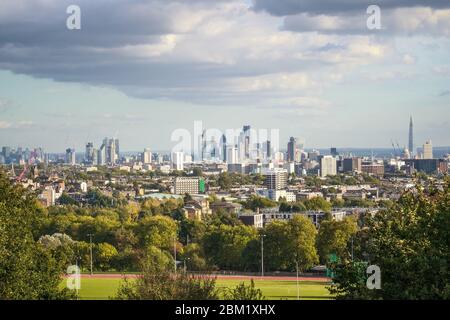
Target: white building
[
  {"x": 101, "y": 155},
  {"x": 428, "y": 150},
  {"x": 70, "y": 157},
  {"x": 178, "y": 161},
  {"x": 232, "y": 155},
  {"x": 328, "y": 166},
  {"x": 276, "y": 178},
  {"x": 147, "y": 156},
  {"x": 275, "y": 195},
  {"x": 183, "y": 185}
]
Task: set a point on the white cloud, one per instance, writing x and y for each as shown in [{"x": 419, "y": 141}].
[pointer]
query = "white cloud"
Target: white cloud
[
  {"x": 4, "y": 124},
  {"x": 409, "y": 59},
  {"x": 15, "y": 124}
]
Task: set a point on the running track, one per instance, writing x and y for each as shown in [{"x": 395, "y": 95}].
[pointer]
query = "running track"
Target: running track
[{"x": 219, "y": 277}]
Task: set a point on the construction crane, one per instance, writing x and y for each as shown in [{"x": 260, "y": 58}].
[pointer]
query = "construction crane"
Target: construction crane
[{"x": 393, "y": 146}]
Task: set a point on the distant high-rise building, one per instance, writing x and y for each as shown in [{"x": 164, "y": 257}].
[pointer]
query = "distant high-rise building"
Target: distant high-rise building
[
  {"x": 223, "y": 143},
  {"x": 203, "y": 155},
  {"x": 268, "y": 149},
  {"x": 112, "y": 150},
  {"x": 70, "y": 157},
  {"x": 147, "y": 156},
  {"x": 246, "y": 130},
  {"x": 178, "y": 161},
  {"x": 334, "y": 152},
  {"x": 352, "y": 164},
  {"x": 291, "y": 149},
  {"x": 89, "y": 154},
  {"x": 6, "y": 152},
  {"x": 101, "y": 155},
  {"x": 117, "y": 148},
  {"x": 313, "y": 155},
  {"x": 232, "y": 155},
  {"x": 276, "y": 179},
  {"x": 428, "y": 150},
  {"x": 328, "y": 166},
  {"x": 95, "y": 156},
  {"x": 411, "y": 138}
]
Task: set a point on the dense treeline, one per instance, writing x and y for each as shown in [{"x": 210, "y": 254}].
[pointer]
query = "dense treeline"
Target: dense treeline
[
  {"x": 122, "y": 237},
  {"x": 409, "y": 242}
]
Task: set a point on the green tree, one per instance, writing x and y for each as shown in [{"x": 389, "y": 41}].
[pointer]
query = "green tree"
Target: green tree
[
  {"x": 158, "y": 284},
  {"x": 158, "y": 231},
  {"x": 224, "y": 245},
  {"x": 410, "y": 242},
  {"x": 302, "y": 238},
  {"x": 317, "y": 203},
  {"x": 244, "y": 292},
  {"x": 277, "y": 254},
  {"x": 289, "y": 243},
  {"x": 104, "y": 255},
  {"x": 27, "y": 269},
  {"x": 194, "y": 258},
  {"x": 224, "y": 181},
  {"x": 334, "y": 236},
  {"x": 256, "y": 202}
]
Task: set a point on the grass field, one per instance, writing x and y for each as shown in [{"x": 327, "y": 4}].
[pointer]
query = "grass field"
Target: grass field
[{"x": 100, "y": 289}]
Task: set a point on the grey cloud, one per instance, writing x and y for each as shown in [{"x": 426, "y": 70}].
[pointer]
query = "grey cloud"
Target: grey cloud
[
  {"x": 292, "y": 7},
  {"x": 401, "y": 21},
  {"x": 104, "y": 23}
]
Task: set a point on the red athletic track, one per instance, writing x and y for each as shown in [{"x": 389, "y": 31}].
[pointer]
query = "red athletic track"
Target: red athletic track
[{"x": 219, "y": 277}]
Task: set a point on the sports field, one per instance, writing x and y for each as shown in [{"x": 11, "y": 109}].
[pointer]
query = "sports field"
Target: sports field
[{"x": 100, "y": 288}]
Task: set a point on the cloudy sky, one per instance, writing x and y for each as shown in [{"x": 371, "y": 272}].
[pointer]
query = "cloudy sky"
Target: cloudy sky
[{"x": 139, "y": 69}]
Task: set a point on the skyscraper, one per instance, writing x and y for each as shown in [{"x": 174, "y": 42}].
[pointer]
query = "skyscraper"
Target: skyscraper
[
  {"x": 334, "y": 152},
  {"x": 268, "y": 149},
  {"x": 428, "y": 150},
  {"x": 223, "y": 142},
  {"x": 246, "y": 130},
  {"x": 291, "y": 149},
  {"x": 232, "y": 155},
  {"x": 328, "y": 166},
  {"x": 70, "y": 156},
  {"x": 101, "y": 155},
  {"x": 147, "y": 156},
  {"x": 411, "y": 138},
  {"x": 178, "y": 161},
  {"x": 89, "y": 154}
]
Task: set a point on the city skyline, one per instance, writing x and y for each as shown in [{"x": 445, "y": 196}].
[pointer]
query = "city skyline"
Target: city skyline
[
  {"x": 289, "y": 152},
  {"x": 313, "y": 71}
]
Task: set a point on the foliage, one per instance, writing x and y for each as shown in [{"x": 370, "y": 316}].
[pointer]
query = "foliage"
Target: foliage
[
  {"x": 288, "y": 243},
  {"x": 244, "y": 292},
  {"x": 256, "y": 202},
  {"x": 410, "y": 242},
  {"x": 159, "y": 284},
  {"x": 334, "y": 236},
  {"x": 27, "y": 269},
  {"x": 223, "y": 245}
]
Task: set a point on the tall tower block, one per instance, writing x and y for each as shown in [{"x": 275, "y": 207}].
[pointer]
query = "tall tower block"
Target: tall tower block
[{"x": 411, "y": 137}]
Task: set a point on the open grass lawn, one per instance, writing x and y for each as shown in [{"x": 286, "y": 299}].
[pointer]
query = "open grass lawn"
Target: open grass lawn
[{"x": 99, "y": 289}]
